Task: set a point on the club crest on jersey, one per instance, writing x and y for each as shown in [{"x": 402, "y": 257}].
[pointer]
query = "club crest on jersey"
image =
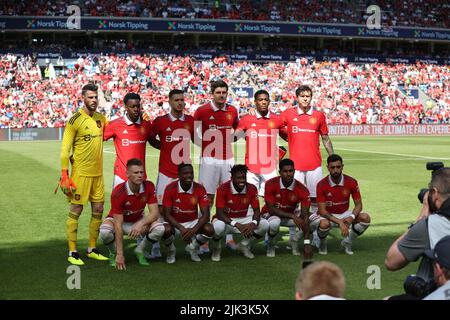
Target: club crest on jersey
[
  {"x": 144, "y": 199},
  {"x": 77, "y": 197},
  {"x": 99, "y": 123},
  {"x": 313, "y": 120},
  {"x": 345, "y": 192},
  {"x": 244, "y": 200},
  {"x": 293, "y": 198},
  {"x": 270, "y": 124},
  {"x": 187, "y": 127},
  {"x": 193, "y": 200},
  {"x": 229, "y": 116}
]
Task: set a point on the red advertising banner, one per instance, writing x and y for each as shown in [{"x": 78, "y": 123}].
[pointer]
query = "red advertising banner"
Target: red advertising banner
[{"x": 389, "y": 130}]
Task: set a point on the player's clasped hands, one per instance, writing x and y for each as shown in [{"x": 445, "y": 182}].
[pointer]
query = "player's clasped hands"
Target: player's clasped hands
[{"x": 187, "y": 234}]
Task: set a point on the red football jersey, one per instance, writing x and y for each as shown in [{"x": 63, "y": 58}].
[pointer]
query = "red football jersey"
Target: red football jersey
[
  {"x": 337, "y": 196},
  {"x": 185, "y": 204},
  {"x": 261, "y": 135},
  {"x": 175, "y": 136},
  {"x": 234, "y": 204},
  {"x": 304, "y": 130},
  {"x": 286, "y": 199},
  {"x": 131, "y": 205},
  {"x": 217, "y": 128},
  {"x": 130, "y": 141}
]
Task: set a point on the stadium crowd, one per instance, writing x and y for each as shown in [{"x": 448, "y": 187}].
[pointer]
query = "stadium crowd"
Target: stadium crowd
[
  {"x": 348, "y": 93},
  {"x": 432, "y": 13}
]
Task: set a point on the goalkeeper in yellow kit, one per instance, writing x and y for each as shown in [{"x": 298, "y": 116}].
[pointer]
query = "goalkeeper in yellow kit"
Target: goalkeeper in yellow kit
[{"x": 83, "y": 137}]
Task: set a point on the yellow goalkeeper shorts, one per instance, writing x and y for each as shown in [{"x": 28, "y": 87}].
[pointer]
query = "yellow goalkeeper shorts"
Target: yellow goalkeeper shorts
[{"x": 90, "y": 189}]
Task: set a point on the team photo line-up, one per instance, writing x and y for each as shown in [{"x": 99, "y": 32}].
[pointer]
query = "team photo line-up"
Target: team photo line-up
[{"x": 295, "y": 193}]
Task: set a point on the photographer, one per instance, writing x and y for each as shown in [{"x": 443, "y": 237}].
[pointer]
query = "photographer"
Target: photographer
[
  {"x": 441, "y": 263},
  {"x": 431, "y": 225}
]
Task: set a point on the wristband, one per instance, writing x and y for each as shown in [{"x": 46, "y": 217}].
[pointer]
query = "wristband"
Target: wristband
[
  {"x": 306, "y": 241},
  {"x": 233, "y": 223},
  {"x": 255, "y": 222}
]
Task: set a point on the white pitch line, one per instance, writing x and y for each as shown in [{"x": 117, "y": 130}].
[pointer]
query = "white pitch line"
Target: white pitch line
[{"x": 395, "y": 154}]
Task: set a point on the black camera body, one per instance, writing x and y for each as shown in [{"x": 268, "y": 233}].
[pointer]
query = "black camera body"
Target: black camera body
[
  {"x": 418, "y": 287},
  {"x": 433, "y": 167}
]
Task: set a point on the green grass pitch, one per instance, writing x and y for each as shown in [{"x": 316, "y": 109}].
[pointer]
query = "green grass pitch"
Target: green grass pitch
[{"x": 33, "y": 248}]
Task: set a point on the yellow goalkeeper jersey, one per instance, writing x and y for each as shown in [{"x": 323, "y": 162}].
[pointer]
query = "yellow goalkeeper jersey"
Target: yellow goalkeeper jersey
[{"x": 84, "y": 137}]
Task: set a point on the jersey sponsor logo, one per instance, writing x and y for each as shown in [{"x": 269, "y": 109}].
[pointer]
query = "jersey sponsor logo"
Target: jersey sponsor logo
[
  {"x": 296, "y": 129},
  {"x": 127, "y": 142},
  {"x": 125, "y": 131},
  {"x": 99, "y": 123},
  {"x": 176, "y": 139}
]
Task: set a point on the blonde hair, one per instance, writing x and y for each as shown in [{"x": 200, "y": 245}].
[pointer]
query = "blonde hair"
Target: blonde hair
[{"x": 321, "y": 277}]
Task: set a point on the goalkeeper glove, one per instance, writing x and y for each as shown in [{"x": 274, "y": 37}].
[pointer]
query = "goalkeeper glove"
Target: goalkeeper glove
[{"x": 66, "y": 184}]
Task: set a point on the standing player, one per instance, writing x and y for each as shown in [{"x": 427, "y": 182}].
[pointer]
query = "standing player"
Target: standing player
[
  {"x": 128, "y": 201},
  {"x": 84, "y": 137},
  {"x": 304, "y": 126},
  {"x": 237, "y": 211},
  {"x": 261, "y": 130},
  {"x": 181, "y": 201},
  {"x": 282, "y": 196},
  {"x": 333, "y": 195},
  {"x": 130, "y": 134},
  {"x": 215, "y": 122},
  {"x": 175, "y": 130}
]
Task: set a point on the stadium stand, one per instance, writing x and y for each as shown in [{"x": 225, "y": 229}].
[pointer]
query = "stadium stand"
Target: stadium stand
[
  {"x": 394, "y": 13},
  {"x": 349, "y": 93}
]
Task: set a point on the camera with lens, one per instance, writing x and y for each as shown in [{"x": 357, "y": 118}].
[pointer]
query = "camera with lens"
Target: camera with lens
[
  {"x": 418, "y": 287},
  {"x": 433, "y": 167}
]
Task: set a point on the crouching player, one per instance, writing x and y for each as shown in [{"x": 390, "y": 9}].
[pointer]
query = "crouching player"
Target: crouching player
[
  {"x": 333, "y": 199},
  {"x": 237, "y": 211},
  {"x": 180, "y": 202},
  {"x": 283, "y": 195},
  {"x": 128, "y": 202}
]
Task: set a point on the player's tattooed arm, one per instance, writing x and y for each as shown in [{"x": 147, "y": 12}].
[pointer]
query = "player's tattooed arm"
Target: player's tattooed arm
[
  {"x": 304, "y": 214},
  {"x": 327, "y": 144}
]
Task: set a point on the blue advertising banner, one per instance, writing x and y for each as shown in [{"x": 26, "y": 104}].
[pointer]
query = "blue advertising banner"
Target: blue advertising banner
[
  {"x": 237, "y": 56},
  {"x": 222, "y": 26},
  {"x": 243, "y": 92}
]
